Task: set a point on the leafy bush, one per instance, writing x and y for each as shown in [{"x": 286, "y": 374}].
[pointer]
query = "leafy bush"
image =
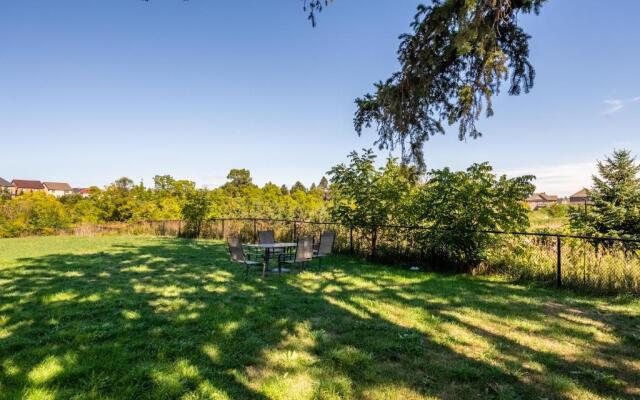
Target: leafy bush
[
  {"x": 455, "y": 206},
  {"x": 194, "y": 211},
  {"x": 32, "y": 214},
  {"x": 458, "y": 207}
]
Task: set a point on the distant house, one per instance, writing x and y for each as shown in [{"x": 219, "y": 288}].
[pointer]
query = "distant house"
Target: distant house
[
  {"x": 5, "y": 186},
  {"x": 539, "y": 200},
  {"x": 57, "y": 189},
  {"x": 581, "y": 197},
  {"x": 84, "y": 192},
  {"x": 20, "y": 186}
]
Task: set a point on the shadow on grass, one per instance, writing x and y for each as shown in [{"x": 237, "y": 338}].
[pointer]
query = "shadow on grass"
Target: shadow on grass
[{"x": 174, "y": 318}]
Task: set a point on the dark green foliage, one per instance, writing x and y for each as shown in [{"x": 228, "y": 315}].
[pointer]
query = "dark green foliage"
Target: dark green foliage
[
  {"x": 364, "y": 196},
  {"x": 615, "y": 196},
  {"x": 313, "y": 7},
  {"x": 458, "y": 206},
  {"x": 239, "y": 178},
  {"x": 454, "y": 205},
  {"x": 452, "y": 64},
  {"x": 298, "y": 186}
]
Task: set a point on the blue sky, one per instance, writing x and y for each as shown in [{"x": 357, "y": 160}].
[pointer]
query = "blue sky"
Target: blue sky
[{"x": 92, "y": 90}]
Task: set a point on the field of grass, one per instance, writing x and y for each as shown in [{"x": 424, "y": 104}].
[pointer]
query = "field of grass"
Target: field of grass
[
  {"x": 138, "y": 317},
  {"x": 554, "y": 219}
]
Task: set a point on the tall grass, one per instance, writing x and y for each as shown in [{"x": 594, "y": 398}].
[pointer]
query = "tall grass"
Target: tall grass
[{"x": 585, "y": 265}]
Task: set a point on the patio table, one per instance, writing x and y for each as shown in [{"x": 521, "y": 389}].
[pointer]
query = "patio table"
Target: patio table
[{"x": 270, "y": 248}]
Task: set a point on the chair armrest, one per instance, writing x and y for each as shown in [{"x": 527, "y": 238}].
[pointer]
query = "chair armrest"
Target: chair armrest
[
  {"x": 283, "y": 256},
  {"x": 254, "y": 255}
]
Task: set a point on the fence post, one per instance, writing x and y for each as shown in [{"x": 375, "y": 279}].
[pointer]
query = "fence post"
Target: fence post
[
  {"x": 374, "y": 239},
  {"x": 295, "y": 231},
  {"x": 222, "y": 228},
  {"x": 255, "y": 230},
  {"x": 559, "y": 261},
  {"x": 351, "y": 239},
  {"x": 179, "y": 228}
]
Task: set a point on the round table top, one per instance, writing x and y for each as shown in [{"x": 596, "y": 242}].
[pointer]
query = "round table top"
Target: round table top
[{"x": 272, "y": 245}]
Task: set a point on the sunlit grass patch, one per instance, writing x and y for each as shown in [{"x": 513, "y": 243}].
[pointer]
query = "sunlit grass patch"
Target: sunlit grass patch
[{"x": 65, "y": 295}]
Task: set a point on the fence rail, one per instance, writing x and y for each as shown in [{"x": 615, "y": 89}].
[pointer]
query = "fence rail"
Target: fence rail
[{"x": 580, "y": 261}]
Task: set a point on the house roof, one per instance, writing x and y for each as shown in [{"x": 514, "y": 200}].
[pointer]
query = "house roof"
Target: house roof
[
  {"x": 548, "y": 197},
  {"x": 581, "y": 193},
  {"x": 4, "y": 183},
  {"x": 542, "y": 197},
  {"x": 24, "y": 184},
  {"x": 62, "y": 186},
  {"x": 534, "y": 197}
]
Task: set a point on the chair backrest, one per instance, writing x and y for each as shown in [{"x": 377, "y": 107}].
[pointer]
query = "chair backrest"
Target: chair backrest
[
  {"x": 235, "y": 249},
  {"x": 304, "y": 249},
  {"x": 327, "y": 240},
  {"x": 266, "y": 237}
]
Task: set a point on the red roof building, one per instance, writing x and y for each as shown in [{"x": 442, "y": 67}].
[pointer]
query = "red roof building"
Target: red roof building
[{"x": 21, "y": 186}]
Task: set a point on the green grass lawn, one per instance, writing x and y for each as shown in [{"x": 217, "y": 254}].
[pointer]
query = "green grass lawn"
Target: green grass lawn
[{"x": 136, "y": 317}]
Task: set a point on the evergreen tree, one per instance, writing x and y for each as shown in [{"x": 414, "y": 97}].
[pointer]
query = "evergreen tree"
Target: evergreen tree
[
  {"x": 324, "y": 183},
  {"x": 615, "y": 196},
  {"x": 284, "y": 190},
  {"x": 298, "y": 186},
  {"x": 451, "y": 66}
]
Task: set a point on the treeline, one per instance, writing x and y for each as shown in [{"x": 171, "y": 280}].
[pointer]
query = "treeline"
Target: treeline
[
  {"x": 455, "y": 206},
  {"x": 168, "y": 199}
]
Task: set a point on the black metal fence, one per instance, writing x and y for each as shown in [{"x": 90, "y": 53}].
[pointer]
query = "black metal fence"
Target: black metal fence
[{"x": 595, "y": 263}]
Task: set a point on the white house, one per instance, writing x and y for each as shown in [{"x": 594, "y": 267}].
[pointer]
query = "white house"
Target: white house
[{"x": 57, "y": 189}]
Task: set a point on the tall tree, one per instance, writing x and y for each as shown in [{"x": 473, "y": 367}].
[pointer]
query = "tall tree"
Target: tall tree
[
  {"x": 239, "y": 181},
  {"x": 451, "y": 66},
  {"x": 239, "y": 177},
  {"x": 616, "y": 198}
]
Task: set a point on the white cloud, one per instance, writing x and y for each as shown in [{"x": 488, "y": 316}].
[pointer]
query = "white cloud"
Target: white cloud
[
  {"x": 613, "y": 106},
  {"x": 562, "y": 180}
]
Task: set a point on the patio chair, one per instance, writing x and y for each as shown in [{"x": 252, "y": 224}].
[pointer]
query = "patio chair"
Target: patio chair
[
  {"x": 238, "y": 255},
  {"x": 269, "y": 237},
  {"x": 266, "y": 237},
  {"x": 302, "y": 255},
  {"x": 325, "y": 248}
]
